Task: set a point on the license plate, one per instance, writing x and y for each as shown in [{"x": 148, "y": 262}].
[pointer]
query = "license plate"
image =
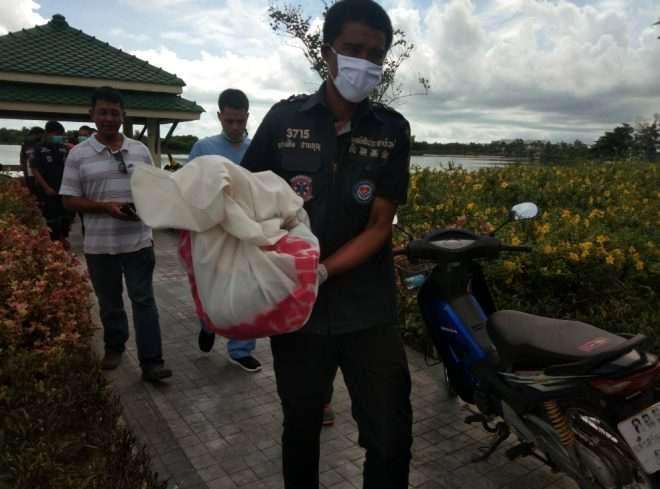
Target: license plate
[{"x": 642, "y": 434}]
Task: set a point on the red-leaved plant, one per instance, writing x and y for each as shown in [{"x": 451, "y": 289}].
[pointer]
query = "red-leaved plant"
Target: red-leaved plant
[{"x": 44, "y": 297}]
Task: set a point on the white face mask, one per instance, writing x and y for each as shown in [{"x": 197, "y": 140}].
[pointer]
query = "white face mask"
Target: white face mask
[{"x": 355, "y": 77}]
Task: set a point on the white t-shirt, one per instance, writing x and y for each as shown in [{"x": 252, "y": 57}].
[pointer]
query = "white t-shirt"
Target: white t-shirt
[{"x": 92, "y": 172}]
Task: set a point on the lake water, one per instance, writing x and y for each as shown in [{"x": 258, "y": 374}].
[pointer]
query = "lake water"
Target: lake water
[
  {"x": 430, "y": 161},
  {"x": 467, "y": 162},
  {"x": 9, "y": 156}
]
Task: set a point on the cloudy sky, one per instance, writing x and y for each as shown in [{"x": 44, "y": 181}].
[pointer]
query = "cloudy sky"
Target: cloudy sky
[{"x": 498, "y": 69}]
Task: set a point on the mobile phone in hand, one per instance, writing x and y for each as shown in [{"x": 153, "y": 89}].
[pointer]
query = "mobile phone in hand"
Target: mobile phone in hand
[{"x": 129, "y": 209}]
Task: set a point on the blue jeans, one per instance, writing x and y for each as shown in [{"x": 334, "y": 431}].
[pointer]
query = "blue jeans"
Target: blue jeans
[
  {"x": 236, "y": 348},
  {"x": 137, "y": 269}
]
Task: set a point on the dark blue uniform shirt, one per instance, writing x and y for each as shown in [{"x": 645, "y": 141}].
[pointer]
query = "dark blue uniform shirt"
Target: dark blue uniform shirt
[
  {"x": 338, "y": 176},
  {"x": 49, "y": 159}
]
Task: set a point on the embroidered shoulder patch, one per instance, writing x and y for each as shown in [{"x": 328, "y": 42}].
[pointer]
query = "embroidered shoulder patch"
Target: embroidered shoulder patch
[{"x": 363, "y": 191}]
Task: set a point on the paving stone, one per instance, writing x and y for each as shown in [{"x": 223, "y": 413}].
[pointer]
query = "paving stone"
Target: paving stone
[
  {"x": 330, "y": 477},
  {"x": 223, "y": 483},
  {"x": 195, "y": 450},
  {"x": 203, "y": 461},
  {"x": 212, "y": 472},
  {"x": 343, "y": 485},
  {"x": 244, "y": 477}
]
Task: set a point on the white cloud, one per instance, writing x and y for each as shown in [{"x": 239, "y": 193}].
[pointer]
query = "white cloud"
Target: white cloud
[
  {"x": 126, "y": 35},
  {"x": 182, "y": 37},
  {"x": 261, "y": 78},
  {"x": 18, "y": 14},
  {"x": 161, "y": 4},
  {"x": 523, "y": 67}
]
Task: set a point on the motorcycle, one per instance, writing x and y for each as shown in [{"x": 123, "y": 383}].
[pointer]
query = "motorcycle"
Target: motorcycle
[{"x": 578, "y": 398}]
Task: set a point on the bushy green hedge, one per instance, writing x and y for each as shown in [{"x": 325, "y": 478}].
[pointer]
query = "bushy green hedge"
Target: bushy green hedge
[
  {"x": 595, "y": 240},
  {"x": 58, "y": 417},
  {"x": 58, "y": 425}
]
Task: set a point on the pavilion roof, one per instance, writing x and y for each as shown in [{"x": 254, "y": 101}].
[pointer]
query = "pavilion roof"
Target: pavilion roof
[
  {"x": 39, "y": 87},
  {"x": 80, "y": 56}
]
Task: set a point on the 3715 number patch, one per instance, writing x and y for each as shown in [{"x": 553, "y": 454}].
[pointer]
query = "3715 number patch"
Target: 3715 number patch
[{"x": 297, "y": 133}]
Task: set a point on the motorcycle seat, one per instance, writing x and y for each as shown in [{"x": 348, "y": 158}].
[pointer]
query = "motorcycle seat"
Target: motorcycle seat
[{"x": 537, "y": 341}]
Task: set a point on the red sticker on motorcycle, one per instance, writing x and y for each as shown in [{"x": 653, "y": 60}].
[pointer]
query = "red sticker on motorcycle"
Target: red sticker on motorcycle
[{"x": 593, "y": 344}]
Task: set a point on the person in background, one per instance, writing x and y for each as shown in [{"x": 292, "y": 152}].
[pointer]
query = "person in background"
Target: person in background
[
  {"x": 348, "y": 159},
  {"x": 77, "y": 137},
  {"x": 116, "y": 242},
  {"x": 84, "y": 133},
  {"x": 47, "y": 163},
  {"x": 231, "y": 143},
  {"x": 34, "y": 137}
]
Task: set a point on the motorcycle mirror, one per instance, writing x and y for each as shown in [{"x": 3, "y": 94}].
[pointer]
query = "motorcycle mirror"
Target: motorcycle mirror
[
  {"x": 395, "y": 224},
  {"x": 524, "y": 210}
]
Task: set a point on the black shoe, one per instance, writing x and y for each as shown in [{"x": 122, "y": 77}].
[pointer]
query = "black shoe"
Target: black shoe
[
  {"x": 111, "y": 360},
  {"x": 249, "y": 363},
  {"x": 205, "y": 340},
  {"x": 153, "y": 373}
]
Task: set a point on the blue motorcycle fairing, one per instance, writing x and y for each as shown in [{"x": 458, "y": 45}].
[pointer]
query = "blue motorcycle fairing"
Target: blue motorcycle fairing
[{"x": 455, "y": 342}]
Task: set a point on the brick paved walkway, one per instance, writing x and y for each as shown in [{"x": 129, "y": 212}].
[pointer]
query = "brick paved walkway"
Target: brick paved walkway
[{"x": 214, "y": 426}]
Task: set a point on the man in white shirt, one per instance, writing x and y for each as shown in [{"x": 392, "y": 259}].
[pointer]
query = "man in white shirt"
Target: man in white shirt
[{"x": 96, "y": 182}]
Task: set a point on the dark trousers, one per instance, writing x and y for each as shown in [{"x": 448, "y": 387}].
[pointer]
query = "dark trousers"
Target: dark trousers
[
  {"x": 375, "y": 370},
  {"x": 58, "y": 219},
  {"x": 331, "y": 388},
  {"x": 137, "y": 269},
  {"x": 32, "y": 186}
]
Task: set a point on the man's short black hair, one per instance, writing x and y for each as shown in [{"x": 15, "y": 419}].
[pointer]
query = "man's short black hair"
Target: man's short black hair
[
  {"x": 36, "y": 130},
  {"x": 108, "y": 94},
  {"x": 365, "y": 12},
  {"x": 234, "y": 98},
  {"x": 91, "y": 130},
  {"x": 54, "y": 126}
]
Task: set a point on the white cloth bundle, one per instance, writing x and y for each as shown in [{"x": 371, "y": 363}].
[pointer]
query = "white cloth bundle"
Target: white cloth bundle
[{"x": 245, "y": 241}]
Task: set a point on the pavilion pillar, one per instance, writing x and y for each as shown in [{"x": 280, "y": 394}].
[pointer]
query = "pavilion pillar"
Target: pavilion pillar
[
  {"x": 153, "y": 140},
  {"x": 128, "y": 127}
]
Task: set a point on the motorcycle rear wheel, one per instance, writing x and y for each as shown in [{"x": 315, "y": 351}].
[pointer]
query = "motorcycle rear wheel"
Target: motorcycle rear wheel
[{"x": 613, "y": 465}]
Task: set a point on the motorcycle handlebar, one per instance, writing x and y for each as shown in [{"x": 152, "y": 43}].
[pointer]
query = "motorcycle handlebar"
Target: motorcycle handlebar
[{"x": 503, "y": 247}]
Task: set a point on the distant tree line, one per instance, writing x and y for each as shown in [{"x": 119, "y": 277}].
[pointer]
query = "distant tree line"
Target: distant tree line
[
  {"x": 639, "y": 141},
  {"x": 626, "y": 141},
  {"x": 180, "y": 144},
  {"x": 517, "y": 148},
  {"x": 176, "y": 144},
  {"x": 13, "y": 136}
]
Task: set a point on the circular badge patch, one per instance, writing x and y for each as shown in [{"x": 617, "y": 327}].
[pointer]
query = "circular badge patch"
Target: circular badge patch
[
  {"x": 363, "y": 191},
  {"x": 302, "y": 186}
]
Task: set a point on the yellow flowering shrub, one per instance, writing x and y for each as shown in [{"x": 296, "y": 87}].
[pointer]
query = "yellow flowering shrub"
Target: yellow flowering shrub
[{"x": 596, "y": 255}]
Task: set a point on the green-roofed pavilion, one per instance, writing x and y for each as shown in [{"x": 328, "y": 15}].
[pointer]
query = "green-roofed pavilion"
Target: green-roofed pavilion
[{"x": 60, "y": 89}]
